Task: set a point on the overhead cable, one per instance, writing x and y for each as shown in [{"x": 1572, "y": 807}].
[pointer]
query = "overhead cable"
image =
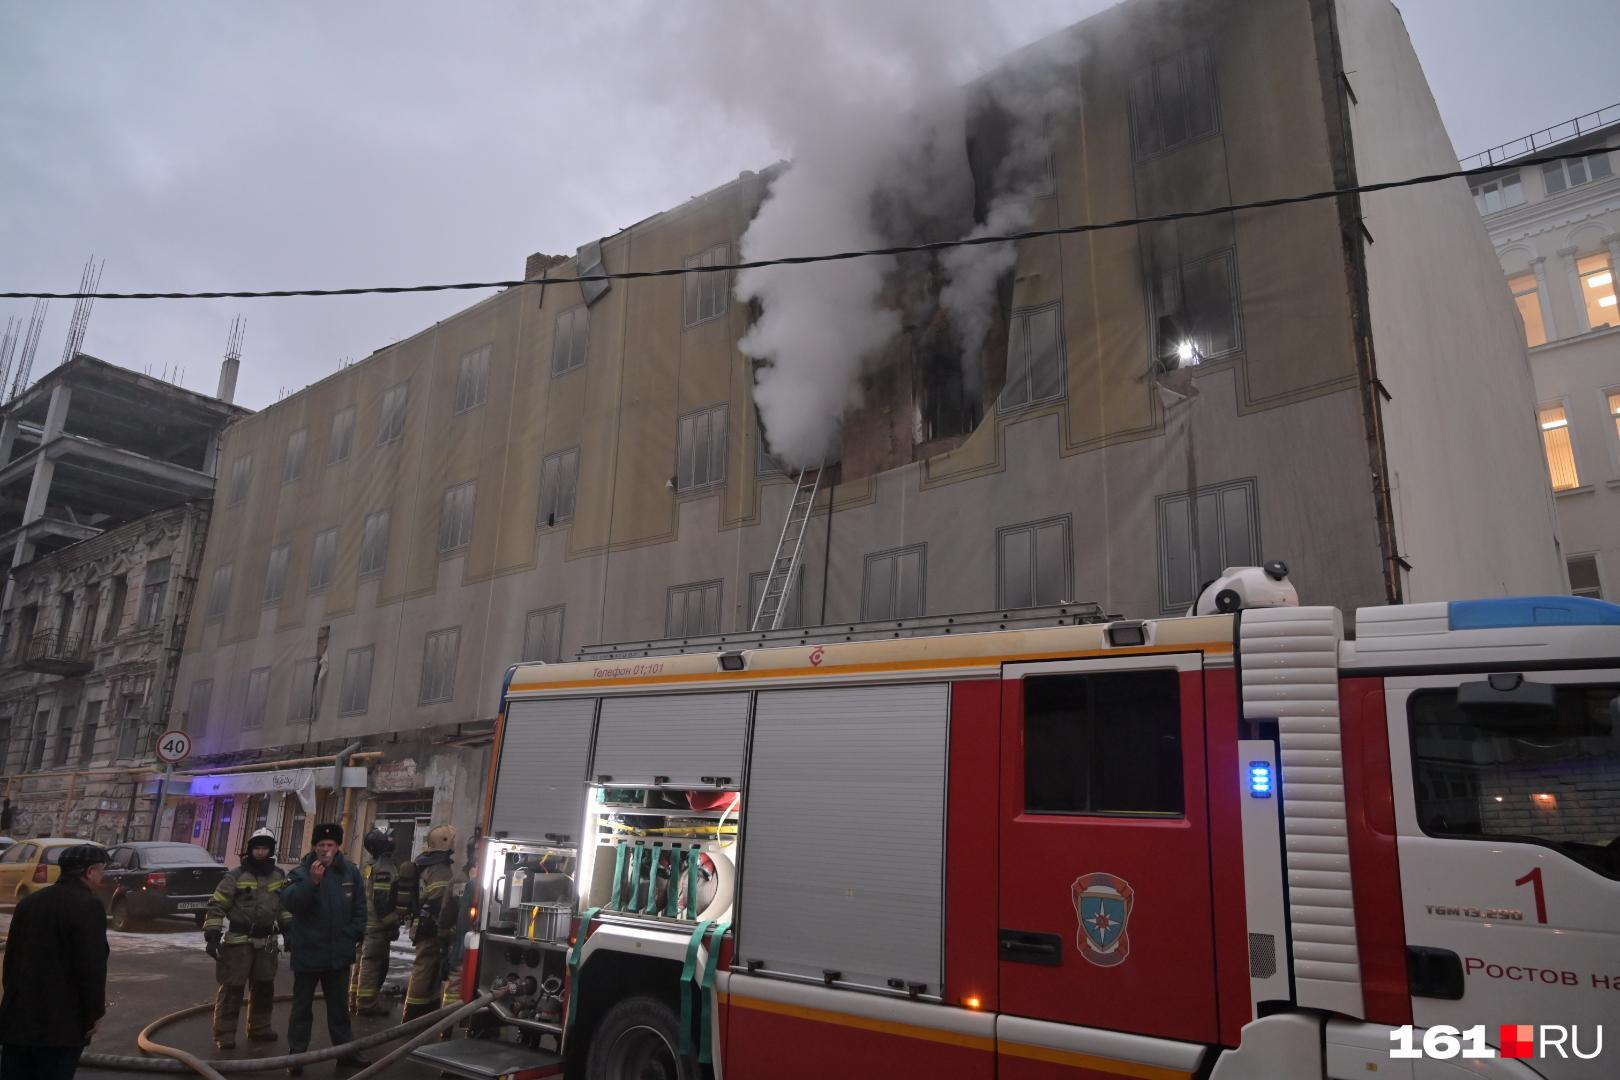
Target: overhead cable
[{"x": 800, "y": 260}]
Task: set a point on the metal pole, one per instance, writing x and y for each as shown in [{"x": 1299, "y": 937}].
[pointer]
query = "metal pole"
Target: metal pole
[{"x": 163, "y": 793}]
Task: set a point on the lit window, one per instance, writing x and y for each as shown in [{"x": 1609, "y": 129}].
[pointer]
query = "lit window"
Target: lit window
[
  {"x": 1525, "y": 295},
  {"x": 1560, "y": 448},
  {"x": 1559, "y": 175},
  {"x": 1614, "y": 409},
  {"x": 1498, "y": 193},
  {"x": 1597, "y": 290}
]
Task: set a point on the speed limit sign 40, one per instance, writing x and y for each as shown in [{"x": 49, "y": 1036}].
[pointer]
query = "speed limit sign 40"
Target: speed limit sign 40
[{"x": 173, "y": 747}]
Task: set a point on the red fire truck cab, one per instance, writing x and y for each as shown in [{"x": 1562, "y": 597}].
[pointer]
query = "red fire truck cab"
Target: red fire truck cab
[{"x": 1239, "y": 845}]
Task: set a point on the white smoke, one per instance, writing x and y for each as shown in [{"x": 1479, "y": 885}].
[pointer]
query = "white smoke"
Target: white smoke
[{"x": 865, "y": 100}]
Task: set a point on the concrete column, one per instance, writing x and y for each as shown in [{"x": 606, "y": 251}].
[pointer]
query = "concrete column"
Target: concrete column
[
  {"x": 1581, "y": 323},
  {"x": 1544, "y": 297},
  {"x": 39, "y": 489},
  {"x": 8, "y": 439}
]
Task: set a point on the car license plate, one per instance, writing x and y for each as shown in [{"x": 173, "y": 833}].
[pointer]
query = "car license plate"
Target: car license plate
[{"x": 191, "y": 905}]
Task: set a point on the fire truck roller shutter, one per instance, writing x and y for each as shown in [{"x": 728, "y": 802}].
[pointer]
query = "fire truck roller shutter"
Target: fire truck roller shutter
[
  {"x": 684, "y": 737},
  {"x": 540, "y": 788},
  {"x": 844, "y": 824}
]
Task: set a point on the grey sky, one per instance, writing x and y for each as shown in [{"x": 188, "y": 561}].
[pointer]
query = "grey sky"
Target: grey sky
[{"x": 199, "y": 145}]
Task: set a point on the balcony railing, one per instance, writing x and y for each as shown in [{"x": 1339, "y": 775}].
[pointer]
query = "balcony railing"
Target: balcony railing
[
  {"x": 1540, "y": 140},
  {"x": 56, "y": 652}
]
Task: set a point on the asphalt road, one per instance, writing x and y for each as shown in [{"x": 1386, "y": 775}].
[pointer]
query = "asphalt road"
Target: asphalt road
[{"x": 164, "y": 969}]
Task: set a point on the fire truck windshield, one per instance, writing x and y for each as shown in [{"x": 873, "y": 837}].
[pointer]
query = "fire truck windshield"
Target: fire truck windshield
[{"x": 1550, "y": 777}]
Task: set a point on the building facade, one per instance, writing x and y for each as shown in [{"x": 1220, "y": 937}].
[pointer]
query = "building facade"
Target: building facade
[
  {"x": 1556, "y": 228},
  {"x": 560, "y": 466},
  {"x": 104, "y": 495}
]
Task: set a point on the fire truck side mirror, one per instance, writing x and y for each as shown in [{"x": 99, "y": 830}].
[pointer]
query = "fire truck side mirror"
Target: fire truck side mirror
[{"x": 1506, "y": 697}]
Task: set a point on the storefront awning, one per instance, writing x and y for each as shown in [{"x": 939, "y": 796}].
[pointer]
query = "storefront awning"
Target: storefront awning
[{"x": 299, "y": 782}]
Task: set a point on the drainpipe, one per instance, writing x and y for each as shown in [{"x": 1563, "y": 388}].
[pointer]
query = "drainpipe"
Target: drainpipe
[{"x": 338, "y": 763}]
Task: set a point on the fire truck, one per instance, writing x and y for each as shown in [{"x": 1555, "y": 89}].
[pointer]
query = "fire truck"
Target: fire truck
[{"x": 1261, "y": 840}]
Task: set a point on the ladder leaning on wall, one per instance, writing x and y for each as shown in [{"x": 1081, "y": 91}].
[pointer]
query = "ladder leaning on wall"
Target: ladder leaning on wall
[{"x": 789, "y": 550}]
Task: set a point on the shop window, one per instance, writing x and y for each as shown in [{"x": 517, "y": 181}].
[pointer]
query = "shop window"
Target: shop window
[
  {"x": 220, "y": 835},
  {"x": 1527, "y": 295},
  {"x": 892, "y": 584},
  {"x": 1559, "y": 447},
  {"x": 1597, "y": 290},
  {"x": 293, "y": 819}
]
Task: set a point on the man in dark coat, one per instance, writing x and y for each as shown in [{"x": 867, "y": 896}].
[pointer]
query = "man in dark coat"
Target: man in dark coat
[
  {"x": 327, "y": 899},
  {"x": 55, "y": 972}
]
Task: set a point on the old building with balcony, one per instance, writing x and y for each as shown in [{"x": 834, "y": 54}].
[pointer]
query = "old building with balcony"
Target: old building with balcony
[{"x": 105, "y": 487}]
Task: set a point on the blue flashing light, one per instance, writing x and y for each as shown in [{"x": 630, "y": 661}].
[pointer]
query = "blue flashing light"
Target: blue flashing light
[
  {"x": 1516, "y": 611},
  {"x": 1260, "y": 779}
]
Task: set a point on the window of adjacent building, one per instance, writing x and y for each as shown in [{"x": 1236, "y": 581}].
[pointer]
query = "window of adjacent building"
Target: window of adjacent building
[
  {"x": 198, "y": 705},
  {"x": 701, "y": 449},
  {"x": 472, "y": 380},
  {"x": 559, "y": 485},
  {"x": 569, "y": 340},
  {"x": 374, "y": 543},
  {"x": 241, "y": 480},
  {"x": 1498, "y": 193},
  {"x": 1108, "y": 743},
  {"x": 219, "y": 593},
  {"x": 1173, "y": 103},
  {"x": 1597, "y": 290},
  {"x": 219, "y": 836},
  {"x": 342, "y": 436},
  {"x": 1583, "y": 577},
  {"x": 131, "y": 715},
  {"x": 456, "y": 517},
  {"x": 391, "y": 421},
  {"x": 275, "y": 573},
  {"x": 303, "y": 694},
  {"x": 354, "y": 696},
  {"x": 292, "y": 466},
  {"x": 1034, "y": 358},
  {"x": 1613, "y": 399},
  {"x": 1202, "y": 533},
  {"x": 115, "y": 608},
  {"x": 64, "y": 733},
  {"x": 1547, "y": 777},
  {"x": 1032, "y": 564},
  {"x": 542, "y": 635},
  {"x": 322, "y": 559},
  {"x": 153, "y": 590},
  {"x": 36, "y": 756},
  {"x": 439, "y": 654},
  {"x": 694, "y": 610},
  {"x": 87, "y": 737},
  {"x": 892, "y": 584},
  {"x": 258, "y": 693},
  {"x": 1560, "y": 448},
  {"x": 5, "y": 743},
  {"x": 793, "y": 605},
  {"x": 706, "y": 293},
  {"x": 1527, "y": 296},
  {"x": 1561, "y": 175}
]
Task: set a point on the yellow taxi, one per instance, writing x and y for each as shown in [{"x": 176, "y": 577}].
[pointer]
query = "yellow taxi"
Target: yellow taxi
[{"x": 30, "y": 865}]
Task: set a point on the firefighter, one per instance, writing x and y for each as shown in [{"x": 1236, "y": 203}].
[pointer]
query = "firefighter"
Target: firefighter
[
  {"x": 240, "y": 929},
  {"x": 429, "y": 932},
  {"x": 383, "y": 919}
]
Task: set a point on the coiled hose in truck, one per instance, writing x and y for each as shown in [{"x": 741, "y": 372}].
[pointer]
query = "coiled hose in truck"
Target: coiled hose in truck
[{"x": 175, "y": 1060}]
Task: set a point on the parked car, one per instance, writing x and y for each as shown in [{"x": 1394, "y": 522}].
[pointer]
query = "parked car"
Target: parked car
[
  {"x": 29, "y": 865},
  {"x": 6, "y": 842},
  {"x": 153, "y": 879}
]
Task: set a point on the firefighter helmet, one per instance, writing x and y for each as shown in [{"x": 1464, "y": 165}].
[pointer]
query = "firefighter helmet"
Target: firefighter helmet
[
  {"x": 379, "y": 843},
  {"x": 442, "y": 838},
  {"x": 260, "y": 838}
]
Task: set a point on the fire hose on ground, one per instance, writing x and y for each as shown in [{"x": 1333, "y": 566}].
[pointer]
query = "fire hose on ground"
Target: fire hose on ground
[{"x": 175, "y": 1060}]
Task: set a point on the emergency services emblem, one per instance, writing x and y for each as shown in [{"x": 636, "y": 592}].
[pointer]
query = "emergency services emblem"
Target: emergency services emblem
[{"x": 1103, "y": 902}]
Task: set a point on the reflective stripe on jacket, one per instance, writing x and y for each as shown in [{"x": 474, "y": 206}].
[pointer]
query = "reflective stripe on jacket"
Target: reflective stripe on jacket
[{"x": 247, "y": 905}]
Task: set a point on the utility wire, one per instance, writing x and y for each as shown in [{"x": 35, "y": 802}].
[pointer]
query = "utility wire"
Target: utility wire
[{"x": 800, "y": 260}]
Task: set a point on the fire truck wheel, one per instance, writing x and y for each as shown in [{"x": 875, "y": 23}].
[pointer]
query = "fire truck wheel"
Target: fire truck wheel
[{"x": 636, "y": 1040}]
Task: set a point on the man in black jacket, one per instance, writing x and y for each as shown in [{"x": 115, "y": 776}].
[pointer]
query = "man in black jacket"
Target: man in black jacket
[
  {"x": 55, "y": 972},
  {"x": 327, "y": 900}
]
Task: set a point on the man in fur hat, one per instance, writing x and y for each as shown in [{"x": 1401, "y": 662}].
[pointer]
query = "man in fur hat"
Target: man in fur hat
[{"x": 327, "y": 899}]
